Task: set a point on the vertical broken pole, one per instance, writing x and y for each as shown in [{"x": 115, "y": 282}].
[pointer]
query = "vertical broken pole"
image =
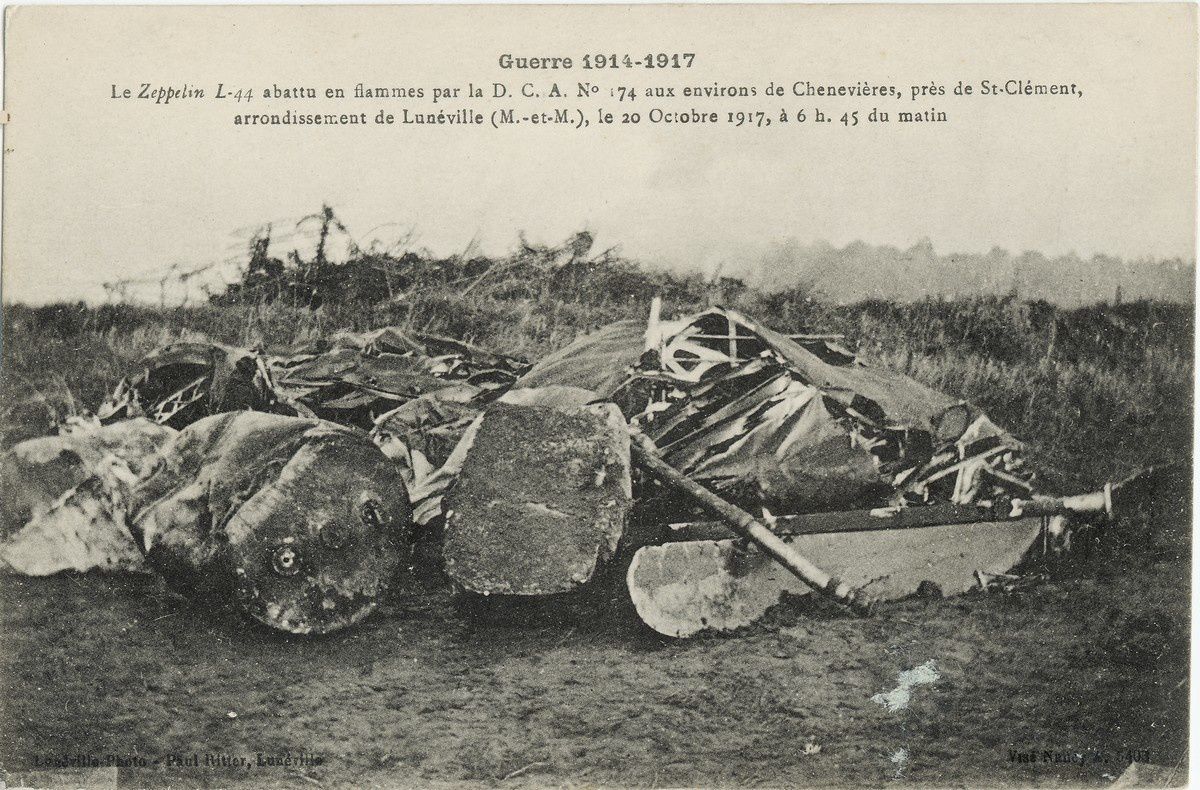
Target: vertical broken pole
[
  {"x": 653, "y": 339},
  {"x": 741, "y": 522}
]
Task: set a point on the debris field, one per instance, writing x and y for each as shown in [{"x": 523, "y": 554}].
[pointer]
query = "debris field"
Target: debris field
[
  {"x": 502, "y": 576},
  {"x": 294, "y": 487}
]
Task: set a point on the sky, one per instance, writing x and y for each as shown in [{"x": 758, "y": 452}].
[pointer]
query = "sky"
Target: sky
[{"x": 98, "y": 189}]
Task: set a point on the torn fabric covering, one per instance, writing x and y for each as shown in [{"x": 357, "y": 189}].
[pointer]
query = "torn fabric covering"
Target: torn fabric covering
[
  {"x": 421, "y": 436},
  {"x": 430, "y": 437},
  {"x": 599, "y": 361},
  {"x": 82, "y": 530},
  {"x": 794, "y": 425},
  {"x": 362, "y": 375},
  {"x": 347, "y": 387},
  {"x": 351, "y": 380},
  {"x": 777, "y": 440},
  {"x": 36, "y": 473},
  {"x": 64, "y": 497},
  {"x": 430, "y": 425},
  {"x": 392, "y": 340}
]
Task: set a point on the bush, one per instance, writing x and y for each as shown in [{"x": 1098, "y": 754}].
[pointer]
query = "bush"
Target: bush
[{"x": 1095, "y": 391}]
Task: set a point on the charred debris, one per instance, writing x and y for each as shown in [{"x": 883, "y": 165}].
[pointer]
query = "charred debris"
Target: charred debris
[
  {"x": 718, "y": 464},
  {"x": 726, "y": 463}
]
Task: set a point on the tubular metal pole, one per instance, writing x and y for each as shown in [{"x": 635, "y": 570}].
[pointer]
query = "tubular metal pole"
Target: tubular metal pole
[{"x": 747, "y": 526}]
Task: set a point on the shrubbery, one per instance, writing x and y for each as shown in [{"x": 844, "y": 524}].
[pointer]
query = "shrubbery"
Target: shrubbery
[{"x": 1095, "y": 391}]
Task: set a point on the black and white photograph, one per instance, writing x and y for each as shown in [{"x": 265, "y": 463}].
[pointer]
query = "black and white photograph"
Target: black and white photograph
[{"x": 597, "y": 396}]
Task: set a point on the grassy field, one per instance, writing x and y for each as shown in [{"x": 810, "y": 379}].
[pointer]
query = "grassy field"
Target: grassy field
[
  {"x": 1096, "y": 391},
  {"x": 1093, "y": 662}
]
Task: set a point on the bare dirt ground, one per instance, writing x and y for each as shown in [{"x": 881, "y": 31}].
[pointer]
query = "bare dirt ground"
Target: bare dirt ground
[{"x": 1085, "y": 671}]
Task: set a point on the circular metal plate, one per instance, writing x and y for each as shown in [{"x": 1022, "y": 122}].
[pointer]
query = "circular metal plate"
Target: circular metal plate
[
  {"x": 314, "y": 549},
  {"x": 300, "y": 523}
]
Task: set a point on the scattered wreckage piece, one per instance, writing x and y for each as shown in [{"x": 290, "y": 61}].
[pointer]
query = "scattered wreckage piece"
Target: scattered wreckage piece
[
  {"x": 797, "y": 424},
  {"x": 83, "y": 530},
  {"x": 542, "y": 494},
  {"x": 1121, "y": 496},
  {"x": 351, "y": 381},
  {"x": 363, "y": 375},
  {"x": 421, "y": 436},
  {"x": 37, "y": 473},
  {"x": 895, "y": 518},
  {"x": 681, "y": 589},
  {"x": 1008, "y": 583},
  {"x": 301, "y": 522},
  {"x": 183, "y": 382},
  {"x": 64, "y": 497},
  {"x": 745, "y": 525},
  {"x": 710, "y": 581}
]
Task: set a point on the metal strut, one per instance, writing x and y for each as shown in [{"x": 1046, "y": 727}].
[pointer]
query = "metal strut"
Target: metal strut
[{"x": 741, "y": 522}]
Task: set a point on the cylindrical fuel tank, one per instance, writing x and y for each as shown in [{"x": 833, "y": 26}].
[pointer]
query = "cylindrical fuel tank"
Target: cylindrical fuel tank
[{"x": 301, "y": 523}]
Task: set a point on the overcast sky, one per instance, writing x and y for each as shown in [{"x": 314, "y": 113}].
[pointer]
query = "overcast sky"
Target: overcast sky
[{"x": 97, "y": 188}]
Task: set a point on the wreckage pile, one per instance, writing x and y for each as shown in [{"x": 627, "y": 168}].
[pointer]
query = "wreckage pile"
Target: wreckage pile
[{"x": 292, "y": 485}]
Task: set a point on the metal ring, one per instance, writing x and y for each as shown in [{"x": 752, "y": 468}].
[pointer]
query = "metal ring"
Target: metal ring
[{"x": 285, "y": 560}]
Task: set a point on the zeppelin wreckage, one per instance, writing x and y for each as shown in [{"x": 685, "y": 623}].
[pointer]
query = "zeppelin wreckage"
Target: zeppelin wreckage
[{"x": 720, "y": 463}]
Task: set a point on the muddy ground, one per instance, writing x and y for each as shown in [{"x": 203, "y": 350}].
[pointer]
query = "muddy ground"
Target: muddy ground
[{"x": 1083, "y": 672}]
